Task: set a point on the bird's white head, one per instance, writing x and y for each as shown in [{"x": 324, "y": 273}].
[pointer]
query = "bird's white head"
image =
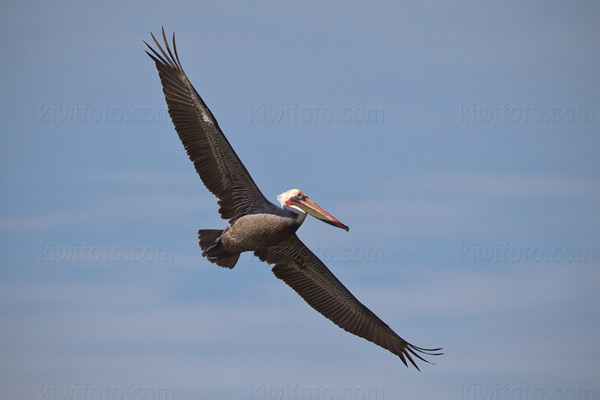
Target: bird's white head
[{"x": 295, "y": 201}]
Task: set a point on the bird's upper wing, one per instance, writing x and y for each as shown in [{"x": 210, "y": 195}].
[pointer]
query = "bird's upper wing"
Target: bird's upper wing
[
  {"x": 215, "y": 160},
  {"x": 297, "y": 266}
]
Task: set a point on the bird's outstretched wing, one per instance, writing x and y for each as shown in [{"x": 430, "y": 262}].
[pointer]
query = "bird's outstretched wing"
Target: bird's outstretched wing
[
  {"x": 297, "y": 266},
  {"x": 215, "y": 160}
]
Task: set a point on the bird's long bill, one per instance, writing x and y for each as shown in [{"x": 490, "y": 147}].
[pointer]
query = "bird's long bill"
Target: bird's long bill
[{"x": 316, "y": 211}]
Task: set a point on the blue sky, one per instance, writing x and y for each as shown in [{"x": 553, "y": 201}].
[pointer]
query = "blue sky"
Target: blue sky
[{"x": 458, "y": 141}]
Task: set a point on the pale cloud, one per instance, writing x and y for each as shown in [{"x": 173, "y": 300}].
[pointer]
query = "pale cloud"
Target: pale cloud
[
  {"x": 451, "y": 204},
  {"x": 118, "y": 207},
  {"x": 136, "y": 334},
  {"x": 159, "y": 179},
  {"x": 504, "y": 186}
]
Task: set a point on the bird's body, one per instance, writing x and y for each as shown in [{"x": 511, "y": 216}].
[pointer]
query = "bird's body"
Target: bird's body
[
  {"x": 252, "y": 232},
  {"x": 256, "y": 224},
  {"x": 259, "y": 231}
]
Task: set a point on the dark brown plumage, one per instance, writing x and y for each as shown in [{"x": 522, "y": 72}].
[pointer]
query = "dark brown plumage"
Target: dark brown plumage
[
  {"x": 215, "y": 160},
  {"x": 256, "y": 224}
]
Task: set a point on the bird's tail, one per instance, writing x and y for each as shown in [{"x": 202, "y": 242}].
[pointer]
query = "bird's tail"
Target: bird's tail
[{"x": 212, "y": 249}]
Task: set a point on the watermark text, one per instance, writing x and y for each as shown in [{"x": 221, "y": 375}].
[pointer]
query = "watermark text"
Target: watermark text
[
  {"x": 507, "y": 391},
  {"x": 506, "y": 113},
  {"x": 86, "y": 253},
  {"x": 304, "y": 114},
  {"x": 508, "y": 253},
  {"x": 87, "y": 391},
  {"x": 87, "y": 113},
  {"x": 299, "y": 392}
]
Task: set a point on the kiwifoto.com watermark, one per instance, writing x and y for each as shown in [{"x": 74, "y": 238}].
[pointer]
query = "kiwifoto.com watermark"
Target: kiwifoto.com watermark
[
  {"x": 94, "y": 254},
  {"x": 507, "y": 391},
  {"x": 507, "y": 113},
  {"x": 506, "y": 252},
  {"x": 300, "y": 392},
  {"x": 87, "y": 391},
  {"x": 346, "y": 255},
  {"x": 87, "y": 113},
  {"x": 350, "y": 254},
  {"x": 304, "y": 114}
]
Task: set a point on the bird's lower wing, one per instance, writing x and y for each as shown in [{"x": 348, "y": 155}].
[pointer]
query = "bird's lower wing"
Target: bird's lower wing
[{"x": 297, "y": 266}]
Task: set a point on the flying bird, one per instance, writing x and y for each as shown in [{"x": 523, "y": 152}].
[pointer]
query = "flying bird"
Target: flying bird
[{"x": 256, "y": 224}]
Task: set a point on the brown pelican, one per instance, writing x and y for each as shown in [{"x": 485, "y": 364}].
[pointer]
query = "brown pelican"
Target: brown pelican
[{"x": 256, "y": 224}]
